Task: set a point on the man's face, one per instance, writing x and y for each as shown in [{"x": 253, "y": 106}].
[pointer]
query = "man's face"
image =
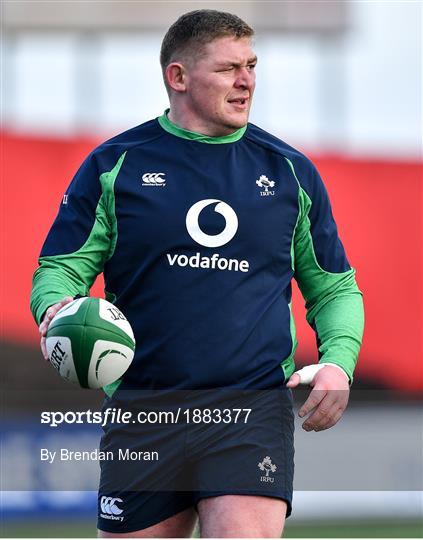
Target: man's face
[{"x": 220, "y": 86}]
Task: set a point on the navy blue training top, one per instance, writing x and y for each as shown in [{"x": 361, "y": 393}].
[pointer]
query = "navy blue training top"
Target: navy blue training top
[{"x": 199, "y": 239}]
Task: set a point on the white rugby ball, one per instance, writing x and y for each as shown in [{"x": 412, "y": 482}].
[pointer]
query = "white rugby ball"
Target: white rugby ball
[{"x": 90, "y": 342}]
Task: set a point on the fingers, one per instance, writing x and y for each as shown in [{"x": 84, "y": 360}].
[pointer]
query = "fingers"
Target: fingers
[
  {"x": 50, "y": 314},
  {"x": 44, "y": 348},
  {"x": 328, "y": 399},
  {"x": 304, "y": 375},
  {"x": 328, "y": 412},
  {"x": 313, "y": 400},
  {"x": 331, "y": 419},
  {"x": 46, "y": 321},
  {"x": 294, "y": 381}
]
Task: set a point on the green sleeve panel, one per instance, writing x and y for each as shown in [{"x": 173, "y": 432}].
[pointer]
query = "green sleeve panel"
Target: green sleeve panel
[
  {"x": 333, "y": 301},
  {"x": 339, "y": 325},
  {"x": 288, "y": 364},
  {"x": 74, "y": 273}
]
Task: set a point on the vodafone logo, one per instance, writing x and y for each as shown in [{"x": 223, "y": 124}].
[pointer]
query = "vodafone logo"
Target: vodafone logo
[
  {"x": 207, "y": 240},
  {"x": 209, "y": 261}
]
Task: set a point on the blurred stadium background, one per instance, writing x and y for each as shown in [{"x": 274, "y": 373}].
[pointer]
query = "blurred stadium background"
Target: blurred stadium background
[{"x": 339, "y": 80}]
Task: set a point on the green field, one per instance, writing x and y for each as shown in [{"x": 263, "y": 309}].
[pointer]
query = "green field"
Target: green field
[{"x": 320, "y": 529}]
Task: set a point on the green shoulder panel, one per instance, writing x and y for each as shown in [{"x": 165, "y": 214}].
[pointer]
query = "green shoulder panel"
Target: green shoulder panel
[
  {"x": 74, "y": 273},
  {"x": 107, "y": 181}
]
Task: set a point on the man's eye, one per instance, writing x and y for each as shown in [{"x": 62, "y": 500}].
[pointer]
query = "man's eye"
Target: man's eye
[{"x": 251, "y": 66}]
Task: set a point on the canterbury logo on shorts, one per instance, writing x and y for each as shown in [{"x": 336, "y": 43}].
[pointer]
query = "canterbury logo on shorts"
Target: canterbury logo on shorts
[
  {"x": 110, "y": 509},
  {"x": 153, "y": 179}
]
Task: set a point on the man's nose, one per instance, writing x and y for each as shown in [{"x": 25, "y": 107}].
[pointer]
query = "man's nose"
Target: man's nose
[{"x": 245, "y": 78}]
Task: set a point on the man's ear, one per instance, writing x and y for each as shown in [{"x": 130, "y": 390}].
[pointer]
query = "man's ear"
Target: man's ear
[{"x": 176, "y": 77}]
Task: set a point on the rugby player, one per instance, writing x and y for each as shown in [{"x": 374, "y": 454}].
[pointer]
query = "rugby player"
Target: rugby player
[{"x": 199, "y": 221}]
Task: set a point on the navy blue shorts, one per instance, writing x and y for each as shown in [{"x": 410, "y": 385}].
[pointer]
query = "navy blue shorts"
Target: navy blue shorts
[{"x": 216, "y": 445}]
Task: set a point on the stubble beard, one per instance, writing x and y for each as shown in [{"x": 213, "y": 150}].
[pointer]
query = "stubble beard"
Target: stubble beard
[{"x": 231, "y": 125}]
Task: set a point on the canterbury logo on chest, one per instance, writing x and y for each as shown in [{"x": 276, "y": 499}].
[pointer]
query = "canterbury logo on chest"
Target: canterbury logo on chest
[{"x": 153, "y": 179}]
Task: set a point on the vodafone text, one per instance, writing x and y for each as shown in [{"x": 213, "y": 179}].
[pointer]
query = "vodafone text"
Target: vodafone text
[{"x": 214, "y": 262}]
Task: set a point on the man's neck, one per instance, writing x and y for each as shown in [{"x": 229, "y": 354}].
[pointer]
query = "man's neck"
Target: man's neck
[
  {"x": 183, "y": 133},
  {"x": 187, "y": 121}
]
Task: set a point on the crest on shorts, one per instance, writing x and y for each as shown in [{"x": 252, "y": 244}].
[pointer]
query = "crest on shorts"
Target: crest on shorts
[{"x": 267, "y": 466}]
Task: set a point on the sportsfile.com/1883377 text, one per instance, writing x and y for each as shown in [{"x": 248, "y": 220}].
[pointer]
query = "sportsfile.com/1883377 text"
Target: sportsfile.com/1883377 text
[{"x": 114, "y": 415}]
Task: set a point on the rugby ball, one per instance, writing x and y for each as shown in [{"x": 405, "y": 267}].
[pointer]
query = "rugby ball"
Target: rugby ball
[{"x": 90, "y": 342}]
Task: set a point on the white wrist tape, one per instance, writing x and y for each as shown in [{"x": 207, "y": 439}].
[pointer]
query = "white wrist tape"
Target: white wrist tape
[{"x": 307, "y": 373}]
